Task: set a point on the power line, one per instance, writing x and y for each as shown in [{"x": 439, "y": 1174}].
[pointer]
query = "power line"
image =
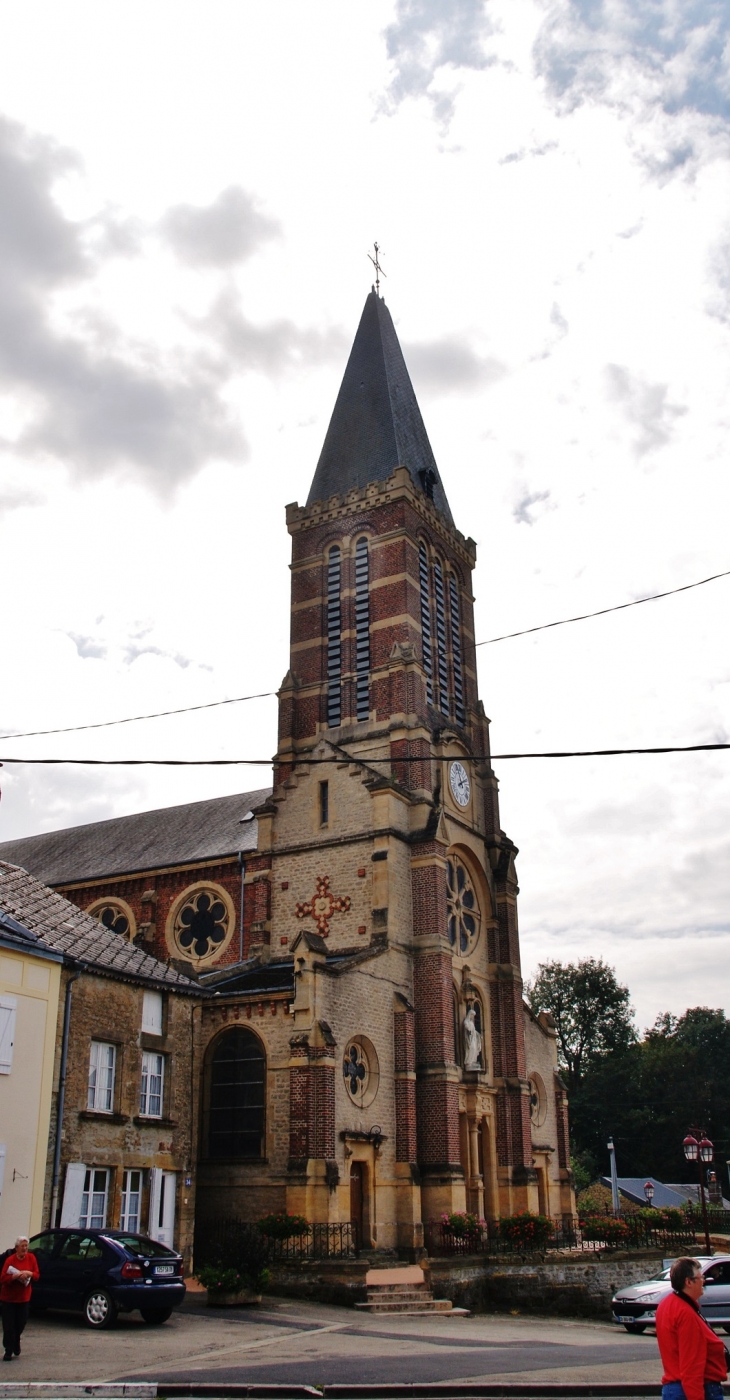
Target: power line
[
  {"x": 364, "y": 759},
  {"x": 618, "y": 607},
  {"x": 266, "y": 694},
  {"x": 132, "y": 719}
]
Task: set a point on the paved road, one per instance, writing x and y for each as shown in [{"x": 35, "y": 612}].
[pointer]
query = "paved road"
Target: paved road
[{"x": 288, "y": 1340}]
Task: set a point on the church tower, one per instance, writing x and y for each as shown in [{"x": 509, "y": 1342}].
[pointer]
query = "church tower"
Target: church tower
[{"x": 390, "y": 883}]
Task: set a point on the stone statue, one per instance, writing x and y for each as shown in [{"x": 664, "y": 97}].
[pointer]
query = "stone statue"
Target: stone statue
[{"x": 472, "y": 1041}]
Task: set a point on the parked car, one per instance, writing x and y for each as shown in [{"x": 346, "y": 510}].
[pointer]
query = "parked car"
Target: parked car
[
  {"x": 104, "y": 1272},
  {"x": 635, "y": 1308}
]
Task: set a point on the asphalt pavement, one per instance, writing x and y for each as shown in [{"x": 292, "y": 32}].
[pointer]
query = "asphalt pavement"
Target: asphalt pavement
[{"x": 288, "y": 1340}]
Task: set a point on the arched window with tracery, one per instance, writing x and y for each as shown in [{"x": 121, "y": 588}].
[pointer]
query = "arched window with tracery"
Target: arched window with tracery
[
  {"x": 334, "y": 637},
  {"x": 464, "y": 914},
  {"x": 235, "y": 1096}
]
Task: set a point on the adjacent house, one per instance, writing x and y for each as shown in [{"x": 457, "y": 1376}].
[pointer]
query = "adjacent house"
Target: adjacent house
[{"x": 122, "y": 1098}]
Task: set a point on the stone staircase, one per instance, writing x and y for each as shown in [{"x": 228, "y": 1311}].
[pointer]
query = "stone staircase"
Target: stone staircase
[{"x": 404, "y": 1292}]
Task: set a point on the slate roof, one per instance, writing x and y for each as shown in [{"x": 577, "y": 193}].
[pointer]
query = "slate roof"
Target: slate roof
[
  {"x": 376, "y": 425},
  {"x": 143, "y": 841},
  {"x": 16, "y": 935},
  {"x": 665, "y": 1193},
  {"x": 68, "y": 930}
]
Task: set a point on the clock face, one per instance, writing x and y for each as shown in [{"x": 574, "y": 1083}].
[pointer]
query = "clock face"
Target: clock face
[{"x": 460, "y": 785}]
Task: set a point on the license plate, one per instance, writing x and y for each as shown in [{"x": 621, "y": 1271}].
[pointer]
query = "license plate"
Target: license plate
[
  {"x": 621, "y": 1318},
  {"x": 165, "y": 1269}
]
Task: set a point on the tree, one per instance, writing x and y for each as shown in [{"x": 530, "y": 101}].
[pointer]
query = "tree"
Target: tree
[{"x": 592, "y": 1013}]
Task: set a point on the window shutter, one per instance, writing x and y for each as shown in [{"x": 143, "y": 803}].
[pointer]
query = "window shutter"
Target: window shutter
[
  {"x": 155, "y": 1189},
  {"x": 152, "y": 1013},
  {"x": 2, "y": 1165},
  {"x": 8, "y": 1007},
  {"x": 72, "y": 1192}
]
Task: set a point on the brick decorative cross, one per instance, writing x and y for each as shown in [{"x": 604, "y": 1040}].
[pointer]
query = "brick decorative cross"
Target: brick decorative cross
[{"x": 323, "y": 905}]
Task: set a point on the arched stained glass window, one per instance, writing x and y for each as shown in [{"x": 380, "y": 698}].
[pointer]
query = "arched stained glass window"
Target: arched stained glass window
[
  {"x": 236, "y": 1095},
  {"x": 464, "y": 915},
  {"x": 426, "y": 649},
  {"x": 334, "y": 637},
  {"x": 362, "y": 630}
]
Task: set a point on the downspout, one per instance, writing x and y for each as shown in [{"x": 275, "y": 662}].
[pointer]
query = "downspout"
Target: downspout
[
  {"x": 242, "y": 864},
  {"x": 61, "y": 1098}
]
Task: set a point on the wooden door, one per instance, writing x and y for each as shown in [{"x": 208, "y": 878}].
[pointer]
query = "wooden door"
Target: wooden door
[{"x": 357, "y": 1199}]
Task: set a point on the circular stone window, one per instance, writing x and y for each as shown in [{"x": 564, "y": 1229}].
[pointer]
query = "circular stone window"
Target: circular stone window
[
  {"x": 361, "y": 1071},
  {"x": 115, "y": 915},
  {"x": 201, "y": 924},
  {"x": 538, "y": 1101},
  {"x": 463, "y": 908}
]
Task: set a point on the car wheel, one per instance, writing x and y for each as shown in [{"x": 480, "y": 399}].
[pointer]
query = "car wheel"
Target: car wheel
[
  {"x": 156, "y": 1316},
  {"x": 636, "y": 1327},
  {"x": 100, "y": 1310}
]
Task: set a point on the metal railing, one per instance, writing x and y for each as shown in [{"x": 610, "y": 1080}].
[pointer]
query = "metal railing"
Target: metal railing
[
  {"x": 239, "y": 1244},
  {"x": 324, "y": 1241},
  {"x": 566, "y": 1235}
]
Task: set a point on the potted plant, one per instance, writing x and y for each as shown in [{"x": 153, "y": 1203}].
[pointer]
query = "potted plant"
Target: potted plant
[
  {"x": 462, "y": 1224},
  {"x": 229, "y": 1287},
  {"x": 526, "y": 1230},
  {"x": 280, "y": 1225}
]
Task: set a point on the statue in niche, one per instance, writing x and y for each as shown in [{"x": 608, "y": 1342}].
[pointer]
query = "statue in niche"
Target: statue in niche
[{"x": 472, "y": 1041}]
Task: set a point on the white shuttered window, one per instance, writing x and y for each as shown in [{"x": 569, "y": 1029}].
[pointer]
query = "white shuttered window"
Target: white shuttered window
[
  {"x": 8, "y": 1009},
  {"x": 102, "y": 1061}
]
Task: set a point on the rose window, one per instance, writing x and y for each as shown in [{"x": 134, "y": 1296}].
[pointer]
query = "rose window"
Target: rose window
[
  {"x": 201, "y": 924},
  {"x": 356, "y": 1070},
  {"x": 463, "y": 909},
  {"x": 538, "y": 1101}
]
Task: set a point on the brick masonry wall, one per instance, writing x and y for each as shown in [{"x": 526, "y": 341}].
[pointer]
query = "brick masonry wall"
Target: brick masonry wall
[
  {"x": 579, "y": 1287},
  {"x": 110, "y": 1010}
]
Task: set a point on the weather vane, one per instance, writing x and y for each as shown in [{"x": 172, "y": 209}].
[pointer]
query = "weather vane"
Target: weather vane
[{"x": 378, "y": 269}]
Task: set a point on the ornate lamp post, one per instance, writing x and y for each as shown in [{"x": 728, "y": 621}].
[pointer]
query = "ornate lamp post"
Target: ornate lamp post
[
  {"x": 698, "y": 1148},
  {"x": 615, "y": 1199},
  {"x": 648, "y": 1192}
]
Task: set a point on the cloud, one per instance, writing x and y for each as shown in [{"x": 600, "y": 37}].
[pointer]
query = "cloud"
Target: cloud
[
  {"x": 449, "y": 364},
  {"x": 96, "y": 405},
  {"x": 220, "y": 234},
  {"x": 521, "y": 511},
  {"x": 429, "y": 35},
  {"x": 646, "y": 406},
  {"x": 647, "y": 58},
  {"x": 267, "y": 348},
  {"x": 87, "y": 647}
]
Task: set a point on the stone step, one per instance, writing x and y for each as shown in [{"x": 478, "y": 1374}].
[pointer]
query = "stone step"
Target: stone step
[
  {"x": 424, "y": 1305},
  {"x": 399, "y": 1293}
]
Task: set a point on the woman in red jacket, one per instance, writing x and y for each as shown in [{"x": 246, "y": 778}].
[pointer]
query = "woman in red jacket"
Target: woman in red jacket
[
  {"x": 18, "y": 1275},
  {"x": 694, "y": 1359}
]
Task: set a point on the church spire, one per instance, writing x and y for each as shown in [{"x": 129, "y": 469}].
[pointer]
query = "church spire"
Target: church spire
[{"x": 376, "y": 425}]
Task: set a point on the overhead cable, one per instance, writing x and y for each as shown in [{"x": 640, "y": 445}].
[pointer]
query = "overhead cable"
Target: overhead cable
[
  {"x": 132, "y": 719},
  {"x": 617, "y": 607},
  {"x": 364, "y": 759}
]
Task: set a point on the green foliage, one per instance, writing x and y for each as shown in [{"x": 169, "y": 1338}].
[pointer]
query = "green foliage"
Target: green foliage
[
  {"x": 606, "y": 1229},
  {"x": 592, "y": 1012},
  {"x": 526, "y": 1230},
  {"x": 648, "y": 1094},
  {"x": 281, "y": 1225},
  {"x": 461, "y": 1223},
  {"x": 219, "y": 1279},
  {"x": 584, "y": 1170}
]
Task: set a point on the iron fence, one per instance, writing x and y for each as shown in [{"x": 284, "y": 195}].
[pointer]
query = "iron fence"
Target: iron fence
[
  {"x": 566, "y": 1235},
  {"x": 239, "y": 1244}
]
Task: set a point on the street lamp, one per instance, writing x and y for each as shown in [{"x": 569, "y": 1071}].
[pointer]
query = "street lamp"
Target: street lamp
[
  {"x": 615, "y": 1201},
  {"x": 648, "y": 1192},
  {"x": 698, "y": 1148}
]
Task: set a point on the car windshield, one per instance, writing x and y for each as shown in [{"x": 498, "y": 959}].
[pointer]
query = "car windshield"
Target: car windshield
[
  {"x": 147, "y": 1249},
  {"x": 659, "y": 1278}
]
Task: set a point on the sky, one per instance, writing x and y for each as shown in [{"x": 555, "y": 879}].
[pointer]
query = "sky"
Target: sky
[{"x": 188, "y": 193}]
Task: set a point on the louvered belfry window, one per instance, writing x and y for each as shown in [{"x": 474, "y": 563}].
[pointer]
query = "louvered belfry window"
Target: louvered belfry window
[
  {"x": 362, "y": 630},
  {"x": 456, "y": 660},
  {"x": 442, "y": 662},
  {"x": 426, "y": 649},
  {"x": 334, "y": 637}
]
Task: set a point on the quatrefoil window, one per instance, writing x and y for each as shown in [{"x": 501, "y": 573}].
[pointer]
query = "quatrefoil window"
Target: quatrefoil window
[
  {"x": 114, "y": 915},
  {"x": 463, "y": 907},
  {"x": 201, "y": 924},
  {"x": 356, "y": 1070}
]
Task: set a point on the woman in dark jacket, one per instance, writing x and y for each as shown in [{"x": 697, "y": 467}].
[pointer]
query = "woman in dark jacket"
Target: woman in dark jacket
[{"x": 694, "y": 1359}]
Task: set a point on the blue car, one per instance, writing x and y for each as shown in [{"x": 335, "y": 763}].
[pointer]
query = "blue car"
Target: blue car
[{"x": 104, "y": 1272}]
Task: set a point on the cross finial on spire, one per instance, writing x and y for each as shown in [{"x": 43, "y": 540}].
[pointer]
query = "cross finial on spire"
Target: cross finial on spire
[{"x": 378, "y": 269}]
